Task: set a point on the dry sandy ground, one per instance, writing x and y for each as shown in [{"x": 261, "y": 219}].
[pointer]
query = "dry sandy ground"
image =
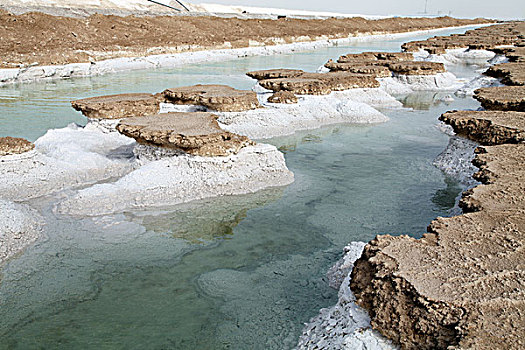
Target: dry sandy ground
[{"x": 37, "y": 38}]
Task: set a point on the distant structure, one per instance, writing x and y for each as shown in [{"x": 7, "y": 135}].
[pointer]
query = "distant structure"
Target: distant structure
[{"x": 169, "y": 6}]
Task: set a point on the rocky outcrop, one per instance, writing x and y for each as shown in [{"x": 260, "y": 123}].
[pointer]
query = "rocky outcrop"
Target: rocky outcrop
[
  {"x": 14, "y": 145},
  {"x": 195, "y": 133},
  {"x": 417, "y": 68},
  {"x": 487, "y": 127},
  {"x": 220, "y": 98},
  {"x": 286, "y": 97},
  {"x": 510, "y": 98},
  {"x": 117, "y": 106}
]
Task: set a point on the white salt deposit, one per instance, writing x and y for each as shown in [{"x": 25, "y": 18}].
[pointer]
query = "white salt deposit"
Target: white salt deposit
[
  {"x": 64, "y": 158},
  {"x": 457, "y": 56},
  {"x": 310, "y": 113},
  {"x": 20, "y": 226},
  {"x": 182, "y": 179},
  {"x": 345, "y": 325},
  {"x": 350, "y": 106},
  {"x": 476, "y": 83},
  {"x": 403, "y": 84},
  {"x": 456, "y": 160}
]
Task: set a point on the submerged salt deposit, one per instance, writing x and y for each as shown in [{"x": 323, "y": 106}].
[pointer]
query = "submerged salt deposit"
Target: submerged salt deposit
[
  {"x": 20, "y": 225},
  {"x": 344, "y": 325}
]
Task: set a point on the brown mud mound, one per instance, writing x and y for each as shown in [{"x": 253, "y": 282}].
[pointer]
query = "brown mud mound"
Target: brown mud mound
[
  {"x": 487, "y": 127},
  {"x": 14, "y": 145},
  {"x": 49, "y": 40},
  {"x": 117, "y": 106},
  {"x": 320, "y": 83},
  {"x": 377, "y": 71},
  {"x": 503, "y": 186},
  {"x": 486, "y": 38},
  {"x": 510, "y": 98},
  {"x": 376, "y": 56},
  {"x": 511, "y": 73},
  {"x": 462, "y": 283},
  {"x": 283, "y": 97},
  {"x": 195, "y": 133},
  {"x": 220, "y": 98},
  {"x": 417, "y": 68},
  {"x": 275, "y": 73}
]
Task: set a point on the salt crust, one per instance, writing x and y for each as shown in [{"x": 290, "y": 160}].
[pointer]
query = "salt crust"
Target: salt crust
[
  {"x": 456, "y": 160},
  {"x": 73, "y": 70},
  {"x": 65, "y": 158},
  {"x": 457, "y": 56},
  {"x": 20, "y": 226},
  {"x": 182, "y": 179},
  {"x": 404, "y": 84},
  {"x": 350, "y": 106},
  {"x": 345, "y": 325}
]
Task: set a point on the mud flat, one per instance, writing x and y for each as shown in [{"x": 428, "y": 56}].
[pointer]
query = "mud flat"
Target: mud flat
[
  {"x": 100, "y": 44},
  {"x": 462, "y": 285}
]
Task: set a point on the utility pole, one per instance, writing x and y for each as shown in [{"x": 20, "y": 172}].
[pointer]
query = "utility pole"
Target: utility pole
[
  {"x": 171, "y": 7},
  {"x": 426, "y": 2}
]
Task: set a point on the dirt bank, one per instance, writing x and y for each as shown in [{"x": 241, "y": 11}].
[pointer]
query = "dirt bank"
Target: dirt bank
[
  {"x": 462, "y": 286},
  {"x": 40, "y": 39}
]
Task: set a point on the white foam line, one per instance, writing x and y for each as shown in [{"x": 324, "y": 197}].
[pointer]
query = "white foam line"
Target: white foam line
[{"x": 116, "y": 65}]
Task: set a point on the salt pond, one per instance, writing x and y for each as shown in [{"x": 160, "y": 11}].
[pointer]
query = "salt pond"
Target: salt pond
[{"x": 236, "y": 272}]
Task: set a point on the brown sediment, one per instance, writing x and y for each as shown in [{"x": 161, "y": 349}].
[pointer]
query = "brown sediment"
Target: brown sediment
[
  {"x": 376, "y": 56},
  {"x": 503, "y": 98},
  {"x": 511, "y": 73},
  {"x": 14, "y": 145},
  {"x": 417, "y": 68},
  {"x": 51, "y": 40},
  {"x": 283, "y": 97},
  {"x": 488, "y": 127},
  {"x": 220, "y": 98},
  {"x": 117, "y": 106},
  {"x": 275, "y": 73},
  {"x": 400, "y": 63},
  {"x": 318, "y": 83},
  {"x": 488, "y": 38},
  {"x": 461, "y": 286},
  {"x": 196, "y": 133},
  {"x": 378, "y": 71}
]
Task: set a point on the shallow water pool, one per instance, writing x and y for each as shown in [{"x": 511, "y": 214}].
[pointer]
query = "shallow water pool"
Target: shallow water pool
[{"x": 240, "y": 272}]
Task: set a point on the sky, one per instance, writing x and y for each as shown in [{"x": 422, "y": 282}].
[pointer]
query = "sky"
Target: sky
[{"x": 503, "y": 9}]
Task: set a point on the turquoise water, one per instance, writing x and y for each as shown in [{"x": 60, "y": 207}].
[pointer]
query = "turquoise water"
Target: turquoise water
[{"x": 241, "y": 272}]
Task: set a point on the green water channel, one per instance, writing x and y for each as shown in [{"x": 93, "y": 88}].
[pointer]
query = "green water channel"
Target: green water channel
[{"x": 240, "y": 272}]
